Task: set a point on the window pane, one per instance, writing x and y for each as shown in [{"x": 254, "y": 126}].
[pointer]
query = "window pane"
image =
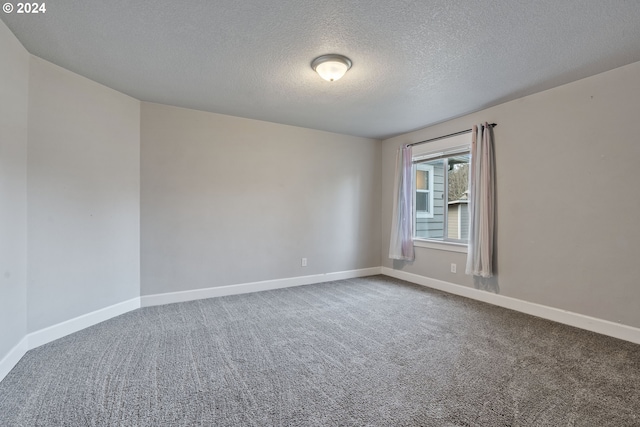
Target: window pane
[
  {"x": 422, "y": 180},
  {"x": 422, "y": 201},
  {"x": 458, "y": 194},
  {"x": 431, "y": 225},
  {"x": 458, "y": 177}
]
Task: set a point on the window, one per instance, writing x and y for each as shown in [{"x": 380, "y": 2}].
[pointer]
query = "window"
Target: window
[
  {"x": 424, "y": 192},
  {"x": 441, "y": 195}
]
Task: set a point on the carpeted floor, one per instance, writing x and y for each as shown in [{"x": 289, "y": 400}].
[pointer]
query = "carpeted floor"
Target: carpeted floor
[{"x": 363, "y": 352}]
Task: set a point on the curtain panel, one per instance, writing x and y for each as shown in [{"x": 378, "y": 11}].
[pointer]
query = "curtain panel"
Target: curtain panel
[
  {"x": 401, "y": 244},
  {"x": 482, "y": 202}
]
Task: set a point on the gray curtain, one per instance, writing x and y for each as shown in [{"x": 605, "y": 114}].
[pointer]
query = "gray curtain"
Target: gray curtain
[
  {"x": 401, "y": 244},
  {"x": 481, "y": 202}
]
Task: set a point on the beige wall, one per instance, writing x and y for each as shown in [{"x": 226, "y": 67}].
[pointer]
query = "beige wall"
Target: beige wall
[
  {"x": 14, "y": 85},
  {"x": 567, "y": 187},
  {"x": 83, "y": 196},
  {"x": 227, "y": 200}
]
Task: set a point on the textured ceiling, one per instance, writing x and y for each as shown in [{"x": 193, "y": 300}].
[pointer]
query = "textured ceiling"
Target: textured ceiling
[{"x": 415, "y": 63}]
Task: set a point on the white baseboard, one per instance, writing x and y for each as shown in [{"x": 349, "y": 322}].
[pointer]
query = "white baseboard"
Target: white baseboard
[
  {"x": 266, "y": 285},
  {"x": 59, "y": 330},
  {"x": 51, "y": 333},
  {"x": 593, "y": 324},
  {"x": 13, "y": 357}
]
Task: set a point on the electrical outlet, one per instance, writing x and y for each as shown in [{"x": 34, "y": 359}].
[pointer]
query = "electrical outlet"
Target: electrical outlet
[
  {"x": 304, "y": 262},
  {"x": 453, "y": 268}
]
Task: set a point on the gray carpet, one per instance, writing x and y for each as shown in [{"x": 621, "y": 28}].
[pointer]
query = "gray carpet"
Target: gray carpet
[{"x": 374, "y": 351}]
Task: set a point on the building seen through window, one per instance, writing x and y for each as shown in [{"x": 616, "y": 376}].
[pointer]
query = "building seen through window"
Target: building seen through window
[{"x": 441, "y": 198}]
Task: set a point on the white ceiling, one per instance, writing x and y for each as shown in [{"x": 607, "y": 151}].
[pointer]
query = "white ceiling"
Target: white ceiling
[{"x": 415, "y": 63}]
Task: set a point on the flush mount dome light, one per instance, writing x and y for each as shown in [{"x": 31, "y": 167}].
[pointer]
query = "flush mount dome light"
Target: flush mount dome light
[{"x": 331, "y": 67}]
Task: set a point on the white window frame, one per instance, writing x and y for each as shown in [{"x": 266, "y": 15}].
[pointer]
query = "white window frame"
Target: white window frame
[
  {"x": 429, "y": 170},
  {"x": 449, "y": 147}
]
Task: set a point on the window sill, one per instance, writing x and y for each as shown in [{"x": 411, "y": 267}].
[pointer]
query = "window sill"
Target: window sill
[{"x": 443, "y": 246}]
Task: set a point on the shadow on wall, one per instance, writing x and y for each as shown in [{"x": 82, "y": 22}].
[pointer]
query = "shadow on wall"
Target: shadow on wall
[
  {"x": 489, "y": 284},
  {"x": 398, "y": 264}
]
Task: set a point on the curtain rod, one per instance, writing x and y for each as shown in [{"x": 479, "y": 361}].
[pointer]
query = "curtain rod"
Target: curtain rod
[{"x": 446, "y": 136}]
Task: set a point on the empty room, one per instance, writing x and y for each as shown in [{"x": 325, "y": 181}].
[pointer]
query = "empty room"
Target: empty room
[{"x": 328, "y": 213}]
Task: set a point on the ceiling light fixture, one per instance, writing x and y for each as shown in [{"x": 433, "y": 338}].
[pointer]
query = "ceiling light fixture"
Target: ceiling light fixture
[{"x": 331, "y": 67}]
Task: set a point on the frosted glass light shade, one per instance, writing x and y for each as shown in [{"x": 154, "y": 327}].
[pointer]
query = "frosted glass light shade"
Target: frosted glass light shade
[{"x": 331, "y": 67}]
